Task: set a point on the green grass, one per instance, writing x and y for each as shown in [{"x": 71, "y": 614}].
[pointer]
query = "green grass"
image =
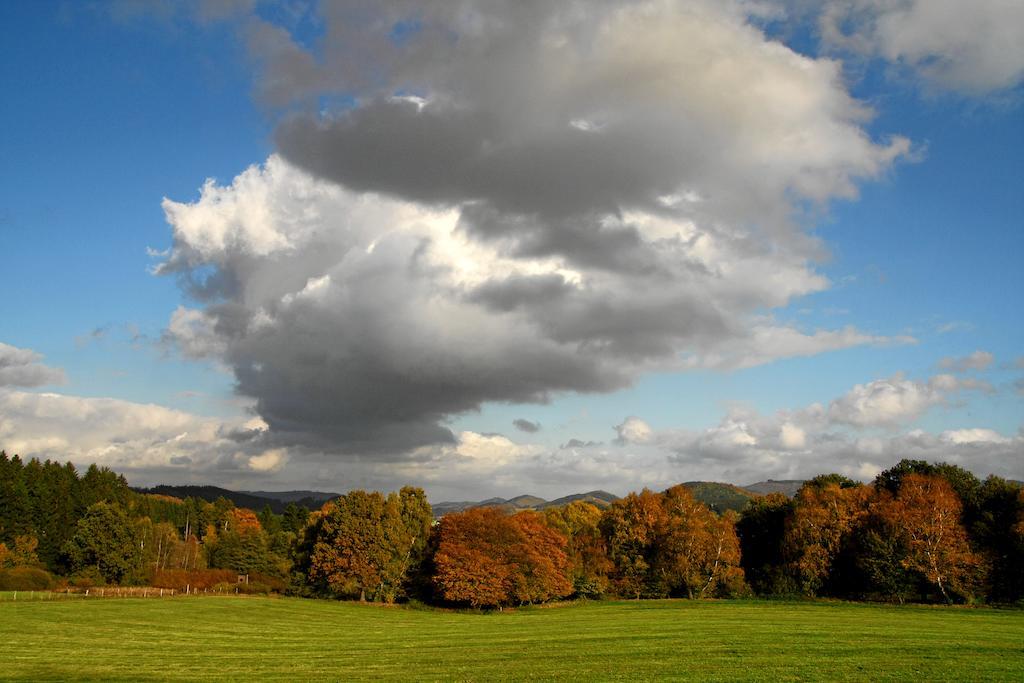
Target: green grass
[{"x": 290, "y": 639}]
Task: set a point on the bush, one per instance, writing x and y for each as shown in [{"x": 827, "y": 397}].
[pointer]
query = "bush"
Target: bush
[
  {"x": 197, "y": 579},
  {"x": 588, "y": 588},
  {"x": 25, "y": 579},
  {"x": 251, "y": 588},
  {"x": 274, "y": 583},
  {"x": 87, "y": 578}
]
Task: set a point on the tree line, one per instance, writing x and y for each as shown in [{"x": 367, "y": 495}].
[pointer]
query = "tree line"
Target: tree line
[{"x": 919, "y": 532}]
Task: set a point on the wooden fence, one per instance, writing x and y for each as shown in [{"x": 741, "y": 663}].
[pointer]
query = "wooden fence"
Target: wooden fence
[{"x": 110, "y": 592}]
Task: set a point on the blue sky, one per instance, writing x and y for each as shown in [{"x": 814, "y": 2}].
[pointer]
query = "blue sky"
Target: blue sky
[{"x": 111, "y": 108}]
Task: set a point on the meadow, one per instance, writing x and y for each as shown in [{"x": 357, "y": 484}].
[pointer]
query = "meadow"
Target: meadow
[{"x": 229, "y": 638}]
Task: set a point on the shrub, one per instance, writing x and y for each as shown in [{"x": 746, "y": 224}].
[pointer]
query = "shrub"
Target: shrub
[
  {"x": 87, "y": 578},
  {"x": 25, "y": 579},
  {"x": 251, "y": 588},
  {"x": 274, "y": 583},
  {"x": 197, "y": 579}
]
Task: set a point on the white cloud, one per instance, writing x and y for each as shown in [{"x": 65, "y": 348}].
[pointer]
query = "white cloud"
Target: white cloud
[
  {"x": 975, "y": 47},
  {"x": 633, "y": 430},
  {"x": 191, "y": 332},
  {"x": 793, "y": 438},
  {"x": 152, "y": 444},
  {"x": 962, "y": 436},
  {"x": 764, "y": 343},
  {"x": 979, "y": 360},
  {"x": 144, "y": 441},
  {"x": 889, "y": 402},
  {"x": 22, "y": 368},
  {"x": 268, "y": 461}
]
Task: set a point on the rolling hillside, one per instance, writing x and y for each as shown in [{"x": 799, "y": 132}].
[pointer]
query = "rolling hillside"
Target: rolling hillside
[
  {"x": 601, "y": 499},
  {"x": 788, "y": 487},
  {"x": 718, "y": 496},
  {"x": 244, "y": 499}
]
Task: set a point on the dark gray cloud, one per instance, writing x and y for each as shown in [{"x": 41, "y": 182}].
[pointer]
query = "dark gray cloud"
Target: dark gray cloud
[
  {"x": 527, "y": 426},
  {"x": 513, "y": 201}
]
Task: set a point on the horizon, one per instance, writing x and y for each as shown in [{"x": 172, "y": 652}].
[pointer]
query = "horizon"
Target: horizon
[
  {"x": 498, "y": 248},
  {"x": 747, "y": 487}
]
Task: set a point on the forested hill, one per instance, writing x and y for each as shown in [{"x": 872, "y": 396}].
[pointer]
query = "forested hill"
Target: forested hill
[
  {"x": 787, "y": 487},
  {"x": 601, "y": 499},
  {"x": 320, "y": 497},
  {"x": 244, "y": 499},
  {"x": 716, "y": 495},
  {"x": 719, "y": 497}
]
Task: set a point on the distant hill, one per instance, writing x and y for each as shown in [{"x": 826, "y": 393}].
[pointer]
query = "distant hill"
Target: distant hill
[
  {"x": 527, "y": 501},
  {"x": 320, "y": 497},
  {"x": 788, "y": 487},
  {"x": 601, "y": 499},
  {"x": 718, "y": 496},
  {"x": 245, "y": 499}
]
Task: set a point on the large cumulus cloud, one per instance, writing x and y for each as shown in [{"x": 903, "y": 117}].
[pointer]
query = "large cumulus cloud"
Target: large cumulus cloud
[{"x": 516, "y": 200}]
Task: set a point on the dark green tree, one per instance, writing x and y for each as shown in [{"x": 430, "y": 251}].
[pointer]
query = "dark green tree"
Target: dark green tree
[
  {"x": 762, "y": 530},
  {"x": 998, "y": 509},
  {"x": 106, "y": 540}
]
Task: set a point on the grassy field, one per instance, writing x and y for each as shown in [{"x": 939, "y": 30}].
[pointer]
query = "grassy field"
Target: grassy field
[{"x": 290, "y": 639}]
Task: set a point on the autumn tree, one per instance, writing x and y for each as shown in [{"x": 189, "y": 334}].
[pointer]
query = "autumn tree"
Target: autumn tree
[
  {"x": 964, "y": 483},
  {"x": 925, "y": 516},
  {"x": 239, "y": 543},
  {"x": 22, "y": 553},
  {"x": 364, "y": 544},
  {"x": 697, "y": 551},
  {"x": 630, "y": 527},
  {"x": 825, "y": 515},
  {"x": 471, "y": 564},
  {"x": 164, "y": 546},
  {"x": 488, "y": 558},
  {"x": 589, "y": 566},
  {"x": 541, "y": 565}
]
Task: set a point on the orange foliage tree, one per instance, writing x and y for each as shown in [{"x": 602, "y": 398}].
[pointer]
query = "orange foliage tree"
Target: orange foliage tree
[
  {"x": 364, "y": 544},
  {"x": 488, "y": 558},
  {"x": 824, "y": 517},
  {"x": 925, "y": 515},
  {"x": 21, "y": 554},
  {"x": 698, "y": 551},
  {"x": 630, "y": 527}
]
